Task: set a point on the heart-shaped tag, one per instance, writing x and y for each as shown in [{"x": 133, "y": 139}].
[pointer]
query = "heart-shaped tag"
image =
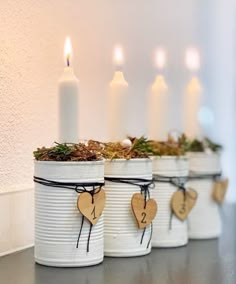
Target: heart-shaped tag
[
  {"x": 179, "y": 205},
  {"x": 182, "y": 204},
  {"x": 90, "y": 207},
  {"x": 219, "y": 190},
  {"x": 192, "y": 196},
  {"x": 144, "y": 216}
]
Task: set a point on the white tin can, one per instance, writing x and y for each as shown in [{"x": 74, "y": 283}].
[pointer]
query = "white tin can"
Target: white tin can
[
  {"x": 57, "y": 219},
  {"x": 168, "y": 230},
  {"x": 121, "y": 233},
  {"x": 204, "y": 219}
]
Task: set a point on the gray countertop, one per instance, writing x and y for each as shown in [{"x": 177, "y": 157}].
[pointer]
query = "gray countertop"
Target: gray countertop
[{"x": 200, "y": 262}]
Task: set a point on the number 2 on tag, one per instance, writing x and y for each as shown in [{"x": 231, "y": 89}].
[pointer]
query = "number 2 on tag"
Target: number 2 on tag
[{"x": 143, "y": 221}]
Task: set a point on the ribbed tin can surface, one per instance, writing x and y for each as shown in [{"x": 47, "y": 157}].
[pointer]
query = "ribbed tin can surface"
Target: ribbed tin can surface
[
  {"x": 57, "y": 219},
  {"x": 168, "y": 230},
  {"x": 121, "y": 233},
  {"x": 204, "y": 219}
]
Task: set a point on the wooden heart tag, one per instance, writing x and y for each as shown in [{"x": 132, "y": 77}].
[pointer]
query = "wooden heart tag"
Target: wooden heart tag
[
  {"x": 144, "y": 216},
  {"x": 179, "y": 205},
  {"x": 91, "y": 210},
  {"x": 219, "y": 190},
  {"x": 192, "y": 196},
  {"x": 182, "y": 204}
]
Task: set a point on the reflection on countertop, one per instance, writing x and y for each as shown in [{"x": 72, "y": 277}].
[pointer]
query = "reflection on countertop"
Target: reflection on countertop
[{"x": 200, "y": 262}]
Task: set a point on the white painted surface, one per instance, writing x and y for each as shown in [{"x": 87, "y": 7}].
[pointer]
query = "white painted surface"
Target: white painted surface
[
  {"x": 204, "y": 219},
  {"x": 122, "y": 237},
  {"x": 204, "y": 163},
  {"x": 168, "y": 230},
  {"x": 58, "y": 220}
]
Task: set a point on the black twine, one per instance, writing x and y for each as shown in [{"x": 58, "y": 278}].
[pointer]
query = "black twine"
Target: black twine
[
  {"x": 145, "y": 185},
  {"x": 79, "y": 188}
]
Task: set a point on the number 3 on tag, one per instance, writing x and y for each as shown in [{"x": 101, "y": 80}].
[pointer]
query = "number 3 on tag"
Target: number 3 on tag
[{"x": 183, "y": 208}]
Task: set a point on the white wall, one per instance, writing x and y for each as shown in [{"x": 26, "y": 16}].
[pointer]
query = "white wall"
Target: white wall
[
  {"x": 217, "y": 38},
  {"x": 32, "y": 36}
]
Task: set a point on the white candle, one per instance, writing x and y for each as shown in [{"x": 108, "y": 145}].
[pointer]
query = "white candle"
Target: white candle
[
  {"x": 118, "y": 101},
  {"x": 192, "y": 96},
  {"x": 158, "y": 102},
  {"x": 68, "y": 100}
]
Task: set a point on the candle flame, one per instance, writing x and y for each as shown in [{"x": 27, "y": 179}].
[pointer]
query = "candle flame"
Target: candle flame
[
  {"x": 192, "y": 59},
  {"x": 160, "y": 58},
  {"x": 68, "y": 51},
  {"x": 118, "y": 56}
]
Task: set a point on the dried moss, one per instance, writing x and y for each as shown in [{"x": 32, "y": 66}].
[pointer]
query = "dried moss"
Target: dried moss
[
  {"x": 66, "y": 152},
  {"x": 158, "y": 148},
  {"x": 140, "y": 148},
  {"x": 167, "y": 148},
  {"x": 115, "y": 150}
]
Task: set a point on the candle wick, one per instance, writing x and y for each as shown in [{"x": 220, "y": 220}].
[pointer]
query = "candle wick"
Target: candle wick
[{"x": 68, "y": 61}]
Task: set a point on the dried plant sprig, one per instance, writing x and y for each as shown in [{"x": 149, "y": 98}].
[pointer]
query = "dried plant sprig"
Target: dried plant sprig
[
  {"x": 215, "y": 147},
  {"x": 167, "y": 148},
  {"x": 141, "y": 144},
  {"x": 196, "y": 145},
  {"x": 158, "y": 148}
]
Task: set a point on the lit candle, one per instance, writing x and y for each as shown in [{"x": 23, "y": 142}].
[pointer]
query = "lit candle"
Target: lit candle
[
  {"x": 158, "y": 115},
  {"x": 193, "y": 94},
  {"x": 118, "y": 100},
  {"x": 68, "y": 100}
]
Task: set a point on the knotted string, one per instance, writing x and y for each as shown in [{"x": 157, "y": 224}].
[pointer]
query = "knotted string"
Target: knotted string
[
  {"x": 92, "y": 192},
  {"x": 145, "y": 185},
  {"x": 180, "y": 184},
  {"x": 192, "y": 176},
  {"x": 79, "y": 188}
]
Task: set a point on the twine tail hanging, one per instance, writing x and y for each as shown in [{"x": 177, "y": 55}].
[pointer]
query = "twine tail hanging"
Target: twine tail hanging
[
  {"x": 180, "y": 186},
  {"x": 145, "y": 191}
]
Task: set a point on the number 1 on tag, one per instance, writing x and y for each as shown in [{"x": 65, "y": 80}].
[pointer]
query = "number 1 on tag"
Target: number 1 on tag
[{"x": 93, "y": 213}]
